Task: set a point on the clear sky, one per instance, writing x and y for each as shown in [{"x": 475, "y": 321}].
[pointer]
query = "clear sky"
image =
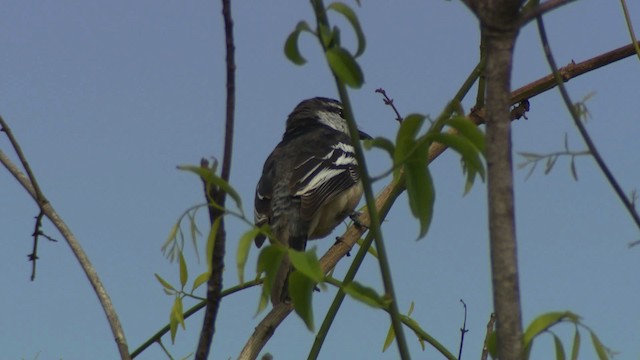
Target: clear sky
[{"x": 107, "y": 98}]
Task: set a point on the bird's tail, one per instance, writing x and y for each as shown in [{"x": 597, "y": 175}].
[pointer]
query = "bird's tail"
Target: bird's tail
[{"x": 280, "y": 286}]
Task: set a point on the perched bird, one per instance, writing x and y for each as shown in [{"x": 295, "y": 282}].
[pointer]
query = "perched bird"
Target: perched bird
[{"x": 309, "y": 183}]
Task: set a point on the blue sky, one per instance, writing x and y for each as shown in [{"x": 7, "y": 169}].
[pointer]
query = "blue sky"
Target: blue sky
[{"x": 107, "y": 98}]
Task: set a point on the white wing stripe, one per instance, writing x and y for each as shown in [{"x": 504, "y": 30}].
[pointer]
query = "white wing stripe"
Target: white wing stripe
[{"x": 320, "y": 178}]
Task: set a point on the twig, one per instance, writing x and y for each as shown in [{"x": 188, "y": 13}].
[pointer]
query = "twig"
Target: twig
[
  {"x": 632, "y": 33},
  {"x": 388, "y": 101},
  {"x": 463, "y": 329},
  {"x": 583, "y": 131},
  {"x": 30, "y": 184},
  {"x": 543, "y": 8},
  {"x": 36, "y": 235},
  {"x": 214, "y": 284},
  {"x": 194, "y": 309},
  {"x": 485, "y": 346}
]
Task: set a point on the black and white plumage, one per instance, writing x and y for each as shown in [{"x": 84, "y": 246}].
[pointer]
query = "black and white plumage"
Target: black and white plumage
[{"x": 310, "y": 182}]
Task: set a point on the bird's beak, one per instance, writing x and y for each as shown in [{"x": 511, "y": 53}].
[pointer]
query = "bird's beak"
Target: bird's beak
[{"x": 364, "y": 136}]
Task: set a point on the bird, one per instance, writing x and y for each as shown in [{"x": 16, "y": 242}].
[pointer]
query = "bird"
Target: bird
[{"x": 310, "y": 182}]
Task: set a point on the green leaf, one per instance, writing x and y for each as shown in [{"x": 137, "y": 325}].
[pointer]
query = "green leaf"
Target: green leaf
[
  {"x": 406, "y": 137},
  {"x": 598, "y": 346},
  {"x": 391, "y": 335},
  {"x": 380, "y": 143},
  {"x": 291, "y": 50},
  {"x": 179, "y": 312},
  {"x": 201, "y": 279},
  {"x": 172, "y": 236},
  {"x": 541, "y": 324},
  {"x": 244, "y": 246},
  {"x": 184, "y": 273},
  {"x": 269, "y": 261},
  {"x": 173, "y": 325},
  {"x": 560, "y": 354},
  {"x": 551, "y": 160},
  {"x": 470, "y": 131},
  {"x": 470, "y": 156},
  {"x": 345, "y": 67},
  {"x": 492, "y": 344},
  {"x": 575, "y": 348},
  {"x": 301, "y": 291},
  {"x": 366, "y": 295},
  {"x": 195, "y": 232},
  {"x": 210, "y": 178},
  {"x": 574, "y": 173},
  {"x": 420, "y": 190},
  {"x": 165, "y": 283},
  {"x": 307, "y": 263},
  {"x": 351, "y": 16},
  {"x": 176, "y": 318},
  {"x": 326, "y": 35},
  {"x": 411, "y": 308}
]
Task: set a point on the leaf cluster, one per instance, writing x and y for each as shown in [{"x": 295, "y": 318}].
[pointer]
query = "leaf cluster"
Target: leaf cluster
[{"x": 544, "y": 324}]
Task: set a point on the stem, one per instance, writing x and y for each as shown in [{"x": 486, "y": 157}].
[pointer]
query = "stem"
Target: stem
[
  {"x": 627, "y": 19},
  {"x": 374, "y": 217},
  {"x": 214, "y": 284},
  {"x": 583, "y": 131},
  {"x": 194, "y": 309}
]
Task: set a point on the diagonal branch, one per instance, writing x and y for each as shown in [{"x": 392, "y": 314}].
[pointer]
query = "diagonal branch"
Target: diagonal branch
[
  {"x": 571, "y": 71},
  {"x": 581, "y": 128},
  {"x": 74, "y": 244}
]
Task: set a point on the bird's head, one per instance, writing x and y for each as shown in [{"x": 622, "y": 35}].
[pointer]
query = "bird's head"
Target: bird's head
[{"x": 319, "y": 111}]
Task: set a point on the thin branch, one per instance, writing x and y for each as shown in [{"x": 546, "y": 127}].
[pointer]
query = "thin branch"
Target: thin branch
[
  {"x": 541, "y": 9},
  {"x": 388, "y": 101},
  {"x": 214, "y": 284},
  {"x": 632, "y": 33},
  {"x": 194, "y": 309},
  {"x": 581, "y": 128},
  {"x": 39, "y": 197},
  {"x": 37, "y": 233},
  {"x": 485, "y": 345},
  {"x": 48, "y": 210},
  {"x": 374, "y": 217},
  {"x": 463, "y": 329}
]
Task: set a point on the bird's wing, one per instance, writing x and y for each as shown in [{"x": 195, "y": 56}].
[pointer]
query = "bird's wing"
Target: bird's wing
[
  {"x": 262, "y": 201},
  {"x": 319, "y": 177}
]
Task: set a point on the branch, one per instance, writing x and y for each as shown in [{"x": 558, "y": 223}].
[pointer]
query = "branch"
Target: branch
[
  {"x": 499, "y": 28},
  {"x": 156, "y": 338},
  {"x": 387, "y": 196},
  {"x": 571, "y": 71},
  {"x": 374, "y": 216},
  {"x": 463, "y": 329},
  {"x": 48, "y": 210},
  {"x": 583, "y": 131},
  {"x": 485, "y": 345},
  {"x": 541, "y": 9},
  {"x": 214, "y": 284}
]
